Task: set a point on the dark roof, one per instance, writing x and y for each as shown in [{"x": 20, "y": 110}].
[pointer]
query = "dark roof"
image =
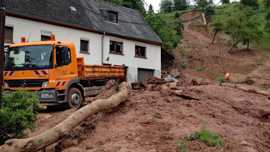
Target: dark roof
[{"x": 88, "y": 16}]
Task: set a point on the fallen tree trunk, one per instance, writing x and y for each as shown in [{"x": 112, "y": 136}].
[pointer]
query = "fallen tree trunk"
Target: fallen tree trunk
[
  {"x": 51, "y": 136},
  {"x": 247, "y": 89}
]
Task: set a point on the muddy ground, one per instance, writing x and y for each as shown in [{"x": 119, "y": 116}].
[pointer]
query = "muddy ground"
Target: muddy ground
[{"x": 156, "y": 121}]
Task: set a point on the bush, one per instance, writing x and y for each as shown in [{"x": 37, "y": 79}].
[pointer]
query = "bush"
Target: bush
[
  {"x": 208, "y": 137},
  {"x": 18, "y": 113}
]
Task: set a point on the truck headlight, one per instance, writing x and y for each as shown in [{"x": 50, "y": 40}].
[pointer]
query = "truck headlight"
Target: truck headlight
[
  {"x": 47, "y": 94},
  {"x": 45, "y": 84}
]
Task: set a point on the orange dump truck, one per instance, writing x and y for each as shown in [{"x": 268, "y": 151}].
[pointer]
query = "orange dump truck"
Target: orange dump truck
[{"x": 53, "y": 69}]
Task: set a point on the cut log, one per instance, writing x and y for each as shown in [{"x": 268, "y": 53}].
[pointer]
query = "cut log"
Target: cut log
[
  {"x": 247, "y": 89},
  {"x": 53, "y": 135},
  {"x": 185, "y": 95}
]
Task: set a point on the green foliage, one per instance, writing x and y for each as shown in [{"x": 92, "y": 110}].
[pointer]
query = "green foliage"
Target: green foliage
[
  {"x": 220, "y": 79},
  {"x": 168, "y": 27},
  {"x": 208, "y": 137},
  {"x": 150, "y": 9},
  {"x": 17, "y": 113},
  {"x": 203, "y": 3},
  {"x": 251, "y": 3},
  {"x": 225, "y": 1},
  {"x": 135, "y": 4},
  {"x": 166, "y": 6},
  {"x": 180, "y": 5},
  {"x": 240, "y": 22}
]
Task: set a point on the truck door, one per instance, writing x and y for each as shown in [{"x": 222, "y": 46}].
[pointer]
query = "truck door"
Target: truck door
[{"x": 64, "y": 69}]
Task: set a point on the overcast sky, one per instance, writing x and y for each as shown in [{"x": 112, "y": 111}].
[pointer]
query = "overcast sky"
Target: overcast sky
[{"x": 156, "y": 3}]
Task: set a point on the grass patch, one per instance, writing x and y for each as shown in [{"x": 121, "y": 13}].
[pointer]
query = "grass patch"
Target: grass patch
[
  {"x": 209, "y": 138},
  {"x": 220, "y": 79}
]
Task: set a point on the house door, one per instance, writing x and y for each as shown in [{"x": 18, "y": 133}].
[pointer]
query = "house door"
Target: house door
[{"x": 145, "y": 74}]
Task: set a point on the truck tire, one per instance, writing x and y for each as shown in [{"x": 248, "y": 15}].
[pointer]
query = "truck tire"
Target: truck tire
[{"x": 75, "y": 98}]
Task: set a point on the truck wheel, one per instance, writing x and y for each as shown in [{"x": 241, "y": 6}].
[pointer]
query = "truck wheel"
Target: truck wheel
[{"x": 75, "y": 98}]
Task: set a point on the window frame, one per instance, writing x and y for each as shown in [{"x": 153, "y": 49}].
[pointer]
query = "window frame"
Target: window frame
[
  {"x": 145, "y": 51},
  {"x": 48, "y": 38},
  {"x": 88, "y": 47},
  {"x": 62, "y": 64},
  {"x": 110, "y": 15},
  {"x": 11, "y": 36},
  {"x": 121, "y": 47}
]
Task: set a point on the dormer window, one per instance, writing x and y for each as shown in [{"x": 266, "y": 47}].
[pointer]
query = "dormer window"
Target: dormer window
[{"x": 110, "y": 16}]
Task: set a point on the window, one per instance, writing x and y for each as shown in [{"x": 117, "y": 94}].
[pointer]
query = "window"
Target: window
[
  {"x": 8, "y": 34},
  {"x": 140, "y": 51},
  {"x": 85, "y": 46},
  {"x": 45, "y": 38},
  {"x": 30, "y": 57},
  {"x": 110, "y": 16},
  {"x": 63, "y": 56},
  {"x": 116, "y": 47}
]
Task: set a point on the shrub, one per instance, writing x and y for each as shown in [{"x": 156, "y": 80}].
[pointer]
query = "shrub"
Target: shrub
[
  {"x": 208, "y": 137},
  {"x": 18, "y": 113},
  {"x": 220, "y": 79}
]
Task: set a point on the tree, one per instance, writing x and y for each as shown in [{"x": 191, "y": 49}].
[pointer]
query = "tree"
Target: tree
[
  {"x": 225, "y": 1},
  {"x": 267, "y": 2},
  {"x": 251, "y": 3},
  {"x": 180, "y": 5},
  {"x": 166, "y": 6},
  {"x": 240, "y": 23},
  {"x": 202, "y": 3},
  {"x": 150, "y": 9},
  {"x": 168, "y": 27}
]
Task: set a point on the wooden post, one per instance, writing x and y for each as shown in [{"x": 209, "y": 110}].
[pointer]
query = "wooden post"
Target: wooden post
[{"x": 2, "y": 44}]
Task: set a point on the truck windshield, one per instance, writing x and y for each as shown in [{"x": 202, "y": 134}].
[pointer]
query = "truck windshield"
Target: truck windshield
[{"x": 29, "y": 57}]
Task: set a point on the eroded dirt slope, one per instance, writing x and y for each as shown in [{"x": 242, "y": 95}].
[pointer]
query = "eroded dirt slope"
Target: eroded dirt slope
[
  {"x": 196, "y": 56},
  {"x": 154, "y": 122}
]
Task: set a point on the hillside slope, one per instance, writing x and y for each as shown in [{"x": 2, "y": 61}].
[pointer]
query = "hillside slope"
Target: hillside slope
[{"x": 201, "y": 58}]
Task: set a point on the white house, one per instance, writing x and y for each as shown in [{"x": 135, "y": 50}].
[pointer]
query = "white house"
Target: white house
[{"x": 104, "y": 33}]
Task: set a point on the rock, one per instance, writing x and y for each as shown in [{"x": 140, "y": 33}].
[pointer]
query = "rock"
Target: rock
[
  {"x": 175, "y": 73},
  {"x": 173, "y": 85},
  {"x": 170, "y": 78},
  {"x": 199, "y": 81}
]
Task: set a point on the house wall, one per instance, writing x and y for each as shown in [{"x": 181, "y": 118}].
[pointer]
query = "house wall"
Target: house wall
[{"x": 34, "y": 29}]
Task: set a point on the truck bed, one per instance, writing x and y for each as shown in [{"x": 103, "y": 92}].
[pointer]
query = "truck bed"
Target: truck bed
[{"x": 99, "y": 72}]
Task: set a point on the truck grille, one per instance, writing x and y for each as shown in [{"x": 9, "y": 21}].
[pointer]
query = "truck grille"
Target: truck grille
[{"x": 25, "y": 83}]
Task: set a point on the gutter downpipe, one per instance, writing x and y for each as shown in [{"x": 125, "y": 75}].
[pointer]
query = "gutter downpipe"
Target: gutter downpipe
[{"x": 102, "y": 47}]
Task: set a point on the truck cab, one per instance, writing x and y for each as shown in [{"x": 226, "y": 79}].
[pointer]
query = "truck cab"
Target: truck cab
[{"x": 49, "y": 68}]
